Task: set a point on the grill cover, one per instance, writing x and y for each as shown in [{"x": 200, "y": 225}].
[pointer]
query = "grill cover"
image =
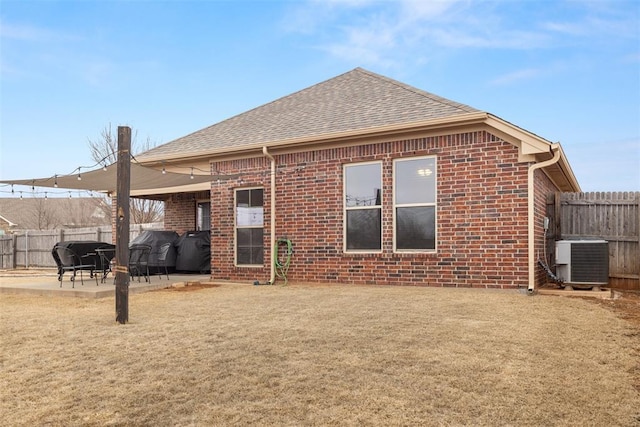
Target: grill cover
[
  {"x": 82, "y": 248},
  {"x": 194, "y": 252},
  {"x": 155, "y": 239}
]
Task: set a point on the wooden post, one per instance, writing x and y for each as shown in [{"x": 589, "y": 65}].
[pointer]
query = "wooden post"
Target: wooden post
[{"x": 122, "y": 224}]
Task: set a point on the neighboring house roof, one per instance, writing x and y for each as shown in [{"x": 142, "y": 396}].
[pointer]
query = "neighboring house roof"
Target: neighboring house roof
[
  {"x": 7, "y": 222},
  {"x": 355, "y": 101},
  {"x": 31, "y": 213}
]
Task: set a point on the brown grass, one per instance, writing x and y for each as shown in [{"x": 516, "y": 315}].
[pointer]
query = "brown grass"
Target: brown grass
[{"x": 322, "y": 355}]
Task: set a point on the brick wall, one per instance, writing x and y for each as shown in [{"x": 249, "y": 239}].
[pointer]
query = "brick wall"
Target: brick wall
[
  {"x": 481, "y": 222},
  {"x": 180, "y": 211},
  {"x": 543, "y": 186}
]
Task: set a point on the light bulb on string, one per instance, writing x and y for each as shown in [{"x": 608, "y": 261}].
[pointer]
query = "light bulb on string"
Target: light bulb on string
[
  {"x": 45, "y": 195},
  {"x": 55, "y": 181},
  {"x": 104, "y": 167},
  {"x": 21, "y": 195},
  {"x": 69, "y": 194},
  {"x": 79, "y": 176},
  {"x": 12, "y": 189},
  {"x": 191, "y": 176}
]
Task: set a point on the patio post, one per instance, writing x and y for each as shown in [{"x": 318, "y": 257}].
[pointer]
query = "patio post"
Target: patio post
[{"x": 122, "y": 224}]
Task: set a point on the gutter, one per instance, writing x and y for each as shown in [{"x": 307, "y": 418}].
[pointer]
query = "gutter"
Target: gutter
[
  {"x": 555, "y": 148},
  {"x": 266, "y": 153},
  {"x": 441, "y": 123}
]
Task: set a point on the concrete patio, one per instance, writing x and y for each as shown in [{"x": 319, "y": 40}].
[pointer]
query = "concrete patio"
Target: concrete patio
[{"x": 45, "y": 282}]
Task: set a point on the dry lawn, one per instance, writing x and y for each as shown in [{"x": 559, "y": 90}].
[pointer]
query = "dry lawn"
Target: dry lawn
[{"x": 318, "y": 355}]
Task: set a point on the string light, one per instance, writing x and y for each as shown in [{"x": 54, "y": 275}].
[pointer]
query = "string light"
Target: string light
[
  {"x": 45, "y": 195},
  {"x": 219, "y": 178}
]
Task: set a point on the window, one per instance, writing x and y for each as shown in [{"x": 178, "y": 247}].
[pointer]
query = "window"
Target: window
[
  {"x": 249, "y": 227},
  {"x": 415, "y": 204},
  {"x": 362, "y": 204},
  {"x": 203, "y": 216}
]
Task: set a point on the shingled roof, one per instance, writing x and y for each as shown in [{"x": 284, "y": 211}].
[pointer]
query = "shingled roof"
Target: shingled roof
[{"x": 356, "y": 100}]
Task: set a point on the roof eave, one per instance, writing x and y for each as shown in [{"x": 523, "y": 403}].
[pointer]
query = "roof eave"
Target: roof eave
[{"x": 422, "y": 125}]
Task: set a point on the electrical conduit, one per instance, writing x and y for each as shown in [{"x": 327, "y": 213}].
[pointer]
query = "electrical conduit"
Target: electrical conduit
[{"x": 555, "y": 149}]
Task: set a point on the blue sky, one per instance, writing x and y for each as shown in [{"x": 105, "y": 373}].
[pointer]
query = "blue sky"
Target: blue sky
[{"x": 568, "y": 71}]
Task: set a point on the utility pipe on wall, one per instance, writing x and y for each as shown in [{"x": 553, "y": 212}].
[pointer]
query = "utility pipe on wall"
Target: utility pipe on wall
[
  {"x": 273, "y": 212},
  {"x": 555, "y": 148}
]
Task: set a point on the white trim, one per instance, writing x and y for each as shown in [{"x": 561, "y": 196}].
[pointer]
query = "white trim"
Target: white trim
[
  {"x": 408, "y": 205},
  {"x": 353, "y": 208},
  {"x": 235, "y": 227}
]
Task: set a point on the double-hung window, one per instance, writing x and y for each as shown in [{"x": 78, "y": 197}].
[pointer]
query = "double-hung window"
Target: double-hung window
[
  {"x": 363, "y": 207},
  {"x": 249, "y": 214},
  {"x": 415, "y": 204}
]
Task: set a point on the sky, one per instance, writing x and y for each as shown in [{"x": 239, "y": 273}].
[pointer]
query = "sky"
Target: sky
[{"x": 568, "y": 71}]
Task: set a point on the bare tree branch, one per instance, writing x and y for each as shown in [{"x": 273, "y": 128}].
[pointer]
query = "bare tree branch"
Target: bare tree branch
[{"x": 105, "y": 150}]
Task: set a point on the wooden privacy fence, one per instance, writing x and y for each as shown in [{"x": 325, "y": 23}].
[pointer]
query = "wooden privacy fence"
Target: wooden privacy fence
[
  {"x": 614, "y": 217},
  {"x": 30, "y": 249}
]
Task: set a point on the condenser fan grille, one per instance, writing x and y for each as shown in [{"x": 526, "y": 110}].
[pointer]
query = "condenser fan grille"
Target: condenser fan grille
[{"x": 589, "y": 263}]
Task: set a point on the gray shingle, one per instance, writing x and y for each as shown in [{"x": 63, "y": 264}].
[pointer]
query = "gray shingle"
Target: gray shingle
[{"x": 356, "y": 100}]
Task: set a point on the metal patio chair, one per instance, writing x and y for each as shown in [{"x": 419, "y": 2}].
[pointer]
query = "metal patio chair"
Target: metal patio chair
[
  {"x": 139, "y": 261},
  {"x": 163, "y": 252},
  {"x": 68, "y": 260}
]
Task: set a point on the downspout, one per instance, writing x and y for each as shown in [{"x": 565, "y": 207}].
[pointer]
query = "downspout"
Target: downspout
[
  {"x": 555, "y": 148},
  {"x": 273, "y": 213}
]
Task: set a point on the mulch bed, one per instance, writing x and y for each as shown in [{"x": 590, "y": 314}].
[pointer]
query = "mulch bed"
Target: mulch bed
[{"x": 192, "y": 286}]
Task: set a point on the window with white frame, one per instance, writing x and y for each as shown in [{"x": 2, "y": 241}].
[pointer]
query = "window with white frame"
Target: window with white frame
[
  {"x": 414, "y": 204},
  {"x": 363, "y": 207},
  {"x": 249, "y": 213},
  {"x": 203, "y": 216}
]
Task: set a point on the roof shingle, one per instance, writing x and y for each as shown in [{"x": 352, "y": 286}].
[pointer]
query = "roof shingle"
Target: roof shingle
[{"x": 356, "y": 100}]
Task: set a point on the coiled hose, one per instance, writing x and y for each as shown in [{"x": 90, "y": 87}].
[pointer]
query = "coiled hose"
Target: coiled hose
[{"x": 282, "y": 265}]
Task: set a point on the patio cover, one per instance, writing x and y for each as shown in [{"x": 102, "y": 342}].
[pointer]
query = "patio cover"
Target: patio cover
[{"x": 144, "y": 181}]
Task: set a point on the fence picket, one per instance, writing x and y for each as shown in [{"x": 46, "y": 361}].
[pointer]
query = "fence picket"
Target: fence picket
[
  {"x": 32, "y": 248},
  {"x": 612, "y": 216}
]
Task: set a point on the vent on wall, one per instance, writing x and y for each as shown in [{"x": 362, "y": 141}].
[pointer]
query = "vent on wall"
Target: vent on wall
[{"x": 583, "y": 262}]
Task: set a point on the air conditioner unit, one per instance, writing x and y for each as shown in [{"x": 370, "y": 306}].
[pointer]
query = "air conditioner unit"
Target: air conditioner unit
[{"x": 583, "y": 263}]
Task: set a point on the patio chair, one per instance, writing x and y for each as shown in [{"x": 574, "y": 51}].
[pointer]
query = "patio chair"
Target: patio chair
[
  {"x": 106, "y": 254},
  {"x": 139, "y": 261},
  {"x": 70, "y": 261},
  {"x": 163, "y": 252}
]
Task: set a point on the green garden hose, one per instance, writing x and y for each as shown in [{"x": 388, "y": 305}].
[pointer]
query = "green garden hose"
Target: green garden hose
[{"x": 282, "y": 266}]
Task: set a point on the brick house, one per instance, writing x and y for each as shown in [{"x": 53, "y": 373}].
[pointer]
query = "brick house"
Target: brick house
[{"x": 373, "y": 182}]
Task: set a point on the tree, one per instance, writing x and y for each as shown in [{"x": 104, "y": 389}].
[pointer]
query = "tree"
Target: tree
[
  {"x": 43, "y": 216},
  {"x": 104, "y": 150}
]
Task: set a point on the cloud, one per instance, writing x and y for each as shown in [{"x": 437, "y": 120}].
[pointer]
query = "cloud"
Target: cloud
[
  {"x": 516, "y": 76},
  {"x": 381, "y": 33},
  {"x": 29, "y": 33},
  {"x": 384, "y": 32}
]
